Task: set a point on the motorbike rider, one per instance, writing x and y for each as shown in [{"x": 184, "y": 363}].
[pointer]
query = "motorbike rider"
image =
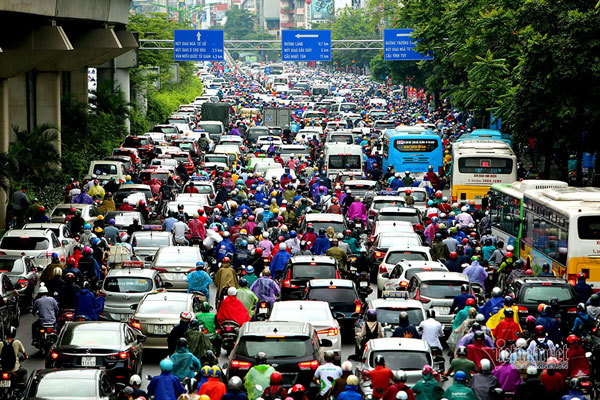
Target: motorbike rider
[
  {"x": 380, "y": 377},
  {"x": 225, "y": 277},
  {"x": 478, "y": 351},
  {"x": 18, "y": 349},
  {"x": 552, "y": 380},
  {"x": 326, "y": 374},
  {"x": 197, "y": 342},
  {"x": 405, "y": 328},
  {"x": 593, "y": 309},
  {"x": 165, "y": 386},
  {"x": 265, "y": 288},
  {"x": 370, "y": 329},
  {"x": 185, "y": 364},
  {"x": 259, "y": 375},
  {"x": 213, "y": 387},
  {"x": 427, "y": 388},
  {"x": 461, "y": 364},
  {"x": 484, "y": 382},
  {"x": 495, "y": 319},
  {"x": 574, "y": 390},
  {"x": 46, "y": 308},
  {"x": 493, "y": 305},
  {"x": 246, "y": 296},
  {"x": 578, "y": 364},
  {"x": 531, "y": 387},
  {"x": 209, "y": 320},
  {"x": 339, "y": 385},
  {"x": 459, "y": 389},
  {"x": 232, "y": 309},
  {"x": 136, "y": 382},
  {"x": 352, "y": 391},
  {"x": 199, "y": 280},
  {"x": 584, "y": 323},
  {"x": 178, "y": 330},
  {"x": 242, "y": 255},
  {"x": 508, "y": 376},
  {"x": 321, "y": 244},
  {"x": 89, "y": 267},
  {"x": 86, "y": 303},
  {"x": 293, "y": 243},
  {"x": 275, "y": 390},
  {"x": 70, "y": 290},
  {"x": 399, "y": 386},
  {"x": 234, "y": 389},
  {"x": 336, "y": 252},
  {"x": 549, "y": 323},
  {"x": 357, "y": 210},
  {"x": 460, "y": 300},
  {"x": 583, "y": 289},
  {"x": 279, "y": 261},
  {"x": 507, "y": 330}
]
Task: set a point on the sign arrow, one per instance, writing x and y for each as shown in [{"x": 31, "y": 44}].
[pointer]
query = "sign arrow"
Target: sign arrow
[
  {"x": 198, "y": 36},
  {"x": 402, "y": 34},
  {"x": 298, "y": 36}
]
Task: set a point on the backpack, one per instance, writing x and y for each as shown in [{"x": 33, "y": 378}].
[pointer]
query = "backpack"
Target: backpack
[
  {"x": 273, "y": 396},
  {"x": 8, "y": 359},
  {"x": 118, "y": 253}
]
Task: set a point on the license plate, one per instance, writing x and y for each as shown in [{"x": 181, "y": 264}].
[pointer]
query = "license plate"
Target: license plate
[
  {"x": 363, "y": 284},
  {"x": 88, "y": 361},
  {"x": 5, "y": 384},
  {"x": 179, "y": 277},
  {"x": 160, "y": 329},
  {"x": 124, "y": 317},
  {"x": 262, "y": 310},
  {"x": 442, "y": 310}
]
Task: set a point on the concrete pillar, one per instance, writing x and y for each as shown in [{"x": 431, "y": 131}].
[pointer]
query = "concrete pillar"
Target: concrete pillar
[
  {"x": 17, "y": 105},
  {"x": 79, "y": 84},
  {"x": 48, "y": 92},
  {"x": 4, "y": 140}
]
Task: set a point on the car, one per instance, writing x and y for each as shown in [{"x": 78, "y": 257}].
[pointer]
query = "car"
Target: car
[
  {"x": 316, "y": 313},
  {"x": 155, "y": 172},
  {"x": 420, "y": 196},
  {"x": 125, "y": 218},
  {"x": 391, "y": 226},
  {"x": 202, "y": 186},
  {"x": 388, "y": 312},
  {"x": 338, "y": 136},
  {"x": 407, "y": 354},
  {"x": 437, "y": 290},
  {"x": 174, "y": 263},
  {"x": 365, "y": 189},
  {"x": 265, "y": 141},
  {"x": 89, "y": 212},
  {"x": 232, "y": 152},
  {"x": 342, "y": 297},
  {"x": 167, "y": 129},
  {"x": 146, "y": 243},
  {"x": 64, "y": 384},
  {"x": 37, "y": 244},
  {"x": 107, "y": 169},
  {"x": 324, "y": 220},
  {"x": 220, "y": 159},
  {"x": 395, "y": 254},
  {"x": 386, "y": 240},
  {"x": 23, "y": 275},
  {"x": 112, "y": 346},
  {"x": 185, "y": 158},
  {"x": 530, "y": 291},
  {"x": 380, "y": 202},
  {"x": 277, "y": 172},
  {"x": 130, "y": 152},
  {"x": 231, "y": 140},
  {"x": 293, "y": 348},
  {"x": 157, "y": 138},
  {"x": 128, "y": 189},
  {"x": 125, "y": 160},
  {"x": 301, "y": 269},
  {"x": 143, "y": 144},
  {"x": 157, "y": 313},
  {"x": 286, "y": 151},
  {"x": 214, "y": 128},
  {"x": 191, "y": 204},
  {"x": 61, "y": 231},
  {"x": 255, "y": 133},
  {"x": 404, "y": 270},
  {"x": 399, "y": 214},
  {"x": 124, "y": 286},
  {"x": 10, "y": 310}
]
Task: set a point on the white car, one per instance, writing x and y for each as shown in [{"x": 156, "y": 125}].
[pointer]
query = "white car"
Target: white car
[
  {"x": 37, "y": 244},
  {"x": 398, "y": 214},
  {"x": 317, "y": 313},
  {"x": 62, "y": 232},
  {"x": 380, "y": 202},
  {"x": 392, "y": 226},
  {"x": 399, "y": 253},
  {"x": 389, "y": 309},
  {"x": 275, "y": 172},
  {"x": 268, "y": 140},
  {"x": 403, "y": 271}
]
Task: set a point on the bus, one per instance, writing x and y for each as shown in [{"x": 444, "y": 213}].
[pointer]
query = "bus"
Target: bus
[
  {"x": 487, "y": 134},
  {"x": 561, "y": 227},
  {"x": 413, "y": 149},
  {"x": 506, "y": 208},
  {"x": 276, "y": 69},
  {"x": 478, "y": 164}
]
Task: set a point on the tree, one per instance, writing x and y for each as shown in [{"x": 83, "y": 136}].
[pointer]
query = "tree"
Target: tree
[
  {"x": 35, "y": 153},
  {"x": 239, "y": 24},
  {"x": 7, "y": 169}
]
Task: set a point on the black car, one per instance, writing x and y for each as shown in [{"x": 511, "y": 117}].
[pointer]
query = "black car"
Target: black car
[
  {"x": 301, "y": 269},
  {"x": 112, "y": 346},
  {"x": 23, "y": 274},
  {"x": 292, "y": 348},
  {"x": 80, "y": 384},
  {"x": 342, "y": 297},
  {"x": 529, "y": 292}
]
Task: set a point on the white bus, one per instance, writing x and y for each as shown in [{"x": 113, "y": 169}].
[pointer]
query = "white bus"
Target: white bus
[
  {"x": 341, "y": 157},
  {"x": 478, "y": 164},
  {"x": 561, "y": 227}
]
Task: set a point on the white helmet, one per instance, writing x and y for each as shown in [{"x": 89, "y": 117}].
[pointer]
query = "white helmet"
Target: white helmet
[
  {"x": 135, "y": 380},
  {"x": 510, "y": 248},
  {"x": 445, "y": 199},
  {"x": 232, "y": 291},
  {"x": 521, "y": 343},
  {"x": 464, "y": 209},
  {"x": 282, "y": 246},
  {"x": 401, "y": 395},
  {"x": 347, "y": 366},
  {"x": 43, "y": 289},
  {"x": 485, "y": 364}
]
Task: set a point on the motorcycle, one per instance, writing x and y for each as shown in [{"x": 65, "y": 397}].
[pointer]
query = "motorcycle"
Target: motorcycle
[
  {"x": 229, "y": 333},
  {"x": 67, "y": 315},
  {"x": 363, "y": 286},
  {"x": 11, "y": 386},
  {"x": 262, "y": 309},
  {"x": 47, "y": 336}
]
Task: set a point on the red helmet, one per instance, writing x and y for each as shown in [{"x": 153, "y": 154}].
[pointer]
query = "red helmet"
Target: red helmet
[
  {"x": 280, "y": 238},
  {"x": 186, "y": 316},
  {"x": 226, "y": 260},
  {"x": 580, "y": 275},
  {"x": 438, "y": 195},
  {"x": 465, "y": 240},
  {"x": 41, "y": 208},
  {"x": 251, "y": 218},
  {"x": 334, "y": 200},
  {"x": 258, "y": 251},
  {"x": 509, "y": 255},
  {"x": 71, "y": 261},
  {"x": 453, "y": 254},
  {"x": 407, "y": 192},
  {"x": 529, "y": 272},
  {"x": 220, "y": 206},
  {"x": 473, "y": 234},
  {"x": 276, "y": 379},
  {"x": 87, "y": 250},
  {"x": 427, "y": 370},
  {"x": 572, "y": 339},
  {"x": 470, "y": 302},
  {"x": 540, "y": 331},
  {"x": 297, "y": 388}
]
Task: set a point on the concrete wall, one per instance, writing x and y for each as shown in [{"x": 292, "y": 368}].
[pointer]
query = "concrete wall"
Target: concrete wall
[{"x": 110, "y": 11}]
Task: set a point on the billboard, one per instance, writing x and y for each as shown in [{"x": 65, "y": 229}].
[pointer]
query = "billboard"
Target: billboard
[{"x": 322, "y": 10}]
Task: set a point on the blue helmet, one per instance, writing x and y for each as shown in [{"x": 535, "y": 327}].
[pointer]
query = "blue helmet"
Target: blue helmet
[
  {"x": 244, "y": 243},
  {"x": 293, "y": 234},
  {"x": 87, "y": 226},
  {"x": 166, "y": 365},
  {"x": 111, "y": 221},
  {"x": 200, "y": 264},
  {"x": 460, "y": 376},
  {"x": 430, "y": 203},
  {"x": 54, "y": 255},
  {"x": 249, "y": 269},
  {"x": 95, "y": 241}
]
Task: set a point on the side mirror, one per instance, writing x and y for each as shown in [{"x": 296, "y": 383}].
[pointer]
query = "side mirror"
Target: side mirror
[
  {"x": 325, "y": 342},
  {"x": 134, "y": 306},
  {"x": 141, "y": 338},
  {"x": 339, "y": 315},
  {"x": 168, "y": 285},
  {"x": 385, "y": 275},
  {"x": 355, "y": 315},
  {"x": 65, "y": 242}
]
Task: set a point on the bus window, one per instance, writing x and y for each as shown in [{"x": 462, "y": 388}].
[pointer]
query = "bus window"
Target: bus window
[
  {"x": 589, "y": 227},
  {"x": 481, "y": 165},
  {"x": 341, "y": 161}
]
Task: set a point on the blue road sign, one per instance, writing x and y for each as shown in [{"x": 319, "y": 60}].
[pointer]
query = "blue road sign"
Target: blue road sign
[
  {"x": 198, "y": 45},
  {"x": 399, "y": 46},
  {"x": 306, "y": 45},
  {"x": 267, "y": 70}
]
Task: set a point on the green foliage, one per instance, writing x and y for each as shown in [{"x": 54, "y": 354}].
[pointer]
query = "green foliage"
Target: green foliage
[
  {"x": 7, "y": 168},
  {"x": 239, "y": 24},
  {"x": 35, "y": 153},
  {"x": 162, "y": 103}
]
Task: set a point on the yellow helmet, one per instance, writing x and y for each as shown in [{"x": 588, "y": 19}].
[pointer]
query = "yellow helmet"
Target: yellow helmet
[
  {"x": 274, "y": 193},
  {"x": 276, "y": 211},
  {"x": 127, "y": 177}
]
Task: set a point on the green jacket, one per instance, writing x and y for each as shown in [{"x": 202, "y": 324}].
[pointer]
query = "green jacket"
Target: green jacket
[
  {"x": 427, "y": 389},
  {"x": 198, "y": 343},
  {"x": 248, "y": 299},
  {"x": 208, "y": 319},
  {"x": 258, "y": 375},
  {"x": 460, "y": 317},
  {"x": 458, "y": 391},
  {"x": 353, "y": 244}
]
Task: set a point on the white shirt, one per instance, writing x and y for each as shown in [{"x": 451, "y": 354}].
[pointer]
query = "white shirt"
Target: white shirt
[
  {"x": 432, "y": 331},
  {"x": 179, "y": 229},
  {"x": 327, "y": 374}
]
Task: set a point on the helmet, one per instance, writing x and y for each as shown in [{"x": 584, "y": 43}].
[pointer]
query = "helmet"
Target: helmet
[
  {"x": 226, "y": 234},
  {"x": 293, "y": 234},
  {"x": 166, "y": 365},
  {"x": 135, "y": 380},
  {"x": 185, "y": 316},
  {"x": 521, "y": 343},
  {"x": 258, "y": 251},
  {"x": 12, "y": 332},
  {"x": 244, "y": 243},
  {"x": 181, "y": 342},
  {"x": 479, "y": 318},
  {"x": 372, "y": 315},
  {"x": 572, "y": 339},
  {"x": 205, "y": 307},
  {"x": 581, "y": 308},
  {"x": 401, "y": 395},
  {"x": 430, "y": 203},
  {"x": 453, "y": 255},
  {"x": 87, "y": 226},
  {"x": 460, "y": 376},
  {"x": 205, "y": 370},
  {"x": 276, "y": 379},
  {"x": 485, "y": 364},
  {"x": 461, "y": 351},
  {"x": 510, "y": 248},
  {"x": 508, "y": 301},
  {"x": 400, "y": 376},
  {"x": 200, "y": 265},
  {"x": 43, "y": 289},
  {"x": 530, "y": 320},
  {"x": 329, "y": 356},
  {"x": 352, "y": 380},
  {"x": 235, "y": 383},
  {"x": 504, "y": 356},
  {"x": 226, "y": 260},
  {"x": 87, "y": 250},
  {"x": 215, "y": 371},
  {"x": 232, "y": 291},
  {"x": 282, "y": 246},
  {"x": 595, "y": 300},
  {"x": 479, "y": 335},
  {"x": 509, "y": 313},
  {"x": 575, "y": 384},
  {"x": 261, "y": 357},
  {"x": 379, "y": 360},
  {"x": 427, "y": 369},
  {"x": 496, "y": 292},
  {"x": 403, "y": 317},
  {"x": 243, "y": 282},
  {"x": 470, "y": 302},
  {"x": 532, "y": 371},
  {"x": 346, "y": 366},
  {"x": 298, "y": 388}
]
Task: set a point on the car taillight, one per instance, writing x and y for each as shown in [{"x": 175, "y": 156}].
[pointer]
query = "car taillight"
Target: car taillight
[
  {"x": 329, "y": 332},
  {"x": 358, "y": 306},
  {"x": 372, "y": 212},
  {"x": 5, "y": 375},
  {"x": 69, "y": 315},
  {"x": 403, "y": 284},
  {"x": 22, "y": 283},
  {"x": 379, "y": 254},
  {"x": 53, "y": 355},
  {"x": 123, "y": 355},
  {"x": 49, "y": 329},
  {"x": 307, "y": 365},
  {"x": 288, "y": 282},
  {"x": 159, "y": 269},
  {"x": 134, "y": 323},
  {"x": 240, "y": 364},
  {"x": 572, "y": 310},
  {"x": 522, "y": 309},
  {"x": 421, "y": 299},
  {"x": 382, "y": 268}
]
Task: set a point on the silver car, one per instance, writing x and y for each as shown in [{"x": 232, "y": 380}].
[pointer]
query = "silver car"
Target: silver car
[
  {"x": 124, "y": 287},
  {"x": 174, "y": 263},
  {"x": 147, "y": 243}
]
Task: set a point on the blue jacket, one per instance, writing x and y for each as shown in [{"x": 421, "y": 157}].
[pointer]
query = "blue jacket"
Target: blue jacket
[
  {"x": 459, "y": 302},
  {"x": 279, "y": 261},
  {"x": 87, "y": 304},
  {"x": 165, "y": 387},
  {"x": 321, "y": 245},
  {"x": 453, "y": 265},
  {"x": 573, "y": 394},
  {"x": 351, "y": 393},
  {"x": 396, "y": 183},
  {"x": 234, "y": 396},
  {"x": 551, "y": 326},
  {"x": 229, "y": 248},
  {"x": 198, "y": 281},
  {"x": 583, "y": 290},
  {"x": 491, "y": 307},
  {"x": 185, "y": 364}
]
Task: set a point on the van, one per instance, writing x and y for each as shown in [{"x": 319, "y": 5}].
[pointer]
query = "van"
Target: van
[{"x": 341, "y": 157}]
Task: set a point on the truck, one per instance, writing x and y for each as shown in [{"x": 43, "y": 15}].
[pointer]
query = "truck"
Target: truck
[
  {"x": 215, "y": 112},
  {"x": 277, "y": 116}
]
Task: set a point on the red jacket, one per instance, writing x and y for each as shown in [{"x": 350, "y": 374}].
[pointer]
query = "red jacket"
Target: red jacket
[
  {"x": 390, "y": 394},
  {"x": 213, "y": 388},
  {"x": 478, "y": 351},
  {"x": 506, "y": 330},
  {"x": 231, "y": 309},
  {"x": 554, "y": 383},
  {"x": 380, "y": 379},
  {"x": 578, "y": 364}
]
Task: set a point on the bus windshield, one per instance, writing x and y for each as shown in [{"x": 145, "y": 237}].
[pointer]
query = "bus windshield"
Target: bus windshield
[{"x": 485, "y": 165}]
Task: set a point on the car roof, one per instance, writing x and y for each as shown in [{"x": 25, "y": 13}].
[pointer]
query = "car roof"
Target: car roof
[
  {"x": 25, "y": 232},
  {"x": 43, "y": 225},
  {"x": 390, "y": 198},
  {"x": 73, "y": 205},
  {"x": 441, "y": 276},
  {"x": 168, "y": 296},
  {"x": 344, "y": 283},
  {"x": 302, "y": 304},
  {"x": 382, "y": 303},
  {"x": 398, "y": 210},
  {"x": 324, "y": 217},
  {"x": 356, "y": 182},
  {"x": 541, "y": 279},
  {"x": 313, "y": 258},
  {"x": 285, "y": 328},
  {"x": 150, "y": 233},
  {"x": 96, "y": 325},
  {"x": 421, "y": 264},
  {"x": 68, "y": 373},
  {"x": 179, "y": 249},
  {"x": 408, "y": 344},
  {"x": 133, "y": 186},
  {"x": 408, "y": 247}
]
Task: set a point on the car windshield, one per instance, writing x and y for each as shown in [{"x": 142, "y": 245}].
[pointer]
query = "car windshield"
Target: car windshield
[
  {"x": 148, "y": 176},
  {"x": 11, "y": 265},
  {"x": 174, "y": 257},
  {"x": 162, "y": 307},
  {"x": 24, "y": 243},
  {"x": 386, "y": 241},
  {"x": 379, "y": 204},
  {"x": 63, "y": 389},
  {"x": 419, "y": 196},
  {"x": 105, "y": 169},
  {"x": 125, "y": 219},
  {"x": 81, "y": 336},
  {"x": 275, "y": 347},
  {"x": 127, "y": 284},
  {"x": 166, "y": 129},
  {"x": 313, "y": 271},
  {"x": 135, "y": 141},
  {"x": 338, "y": 227},
  {"x": 541, "y": 294},
  {"x": 412, "y": 218},
  {"x": 150, "y": 240},
  {"x": 333, "y": 294},
  {"x": 396, "y": 256},
  {"x": 345, "y": 161},
  {"x": 440, "y": 290},
  {"x": 405, "y": 360},
  {"x": 213, "y": 129},
  {"x": 391, "y": 315}
]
